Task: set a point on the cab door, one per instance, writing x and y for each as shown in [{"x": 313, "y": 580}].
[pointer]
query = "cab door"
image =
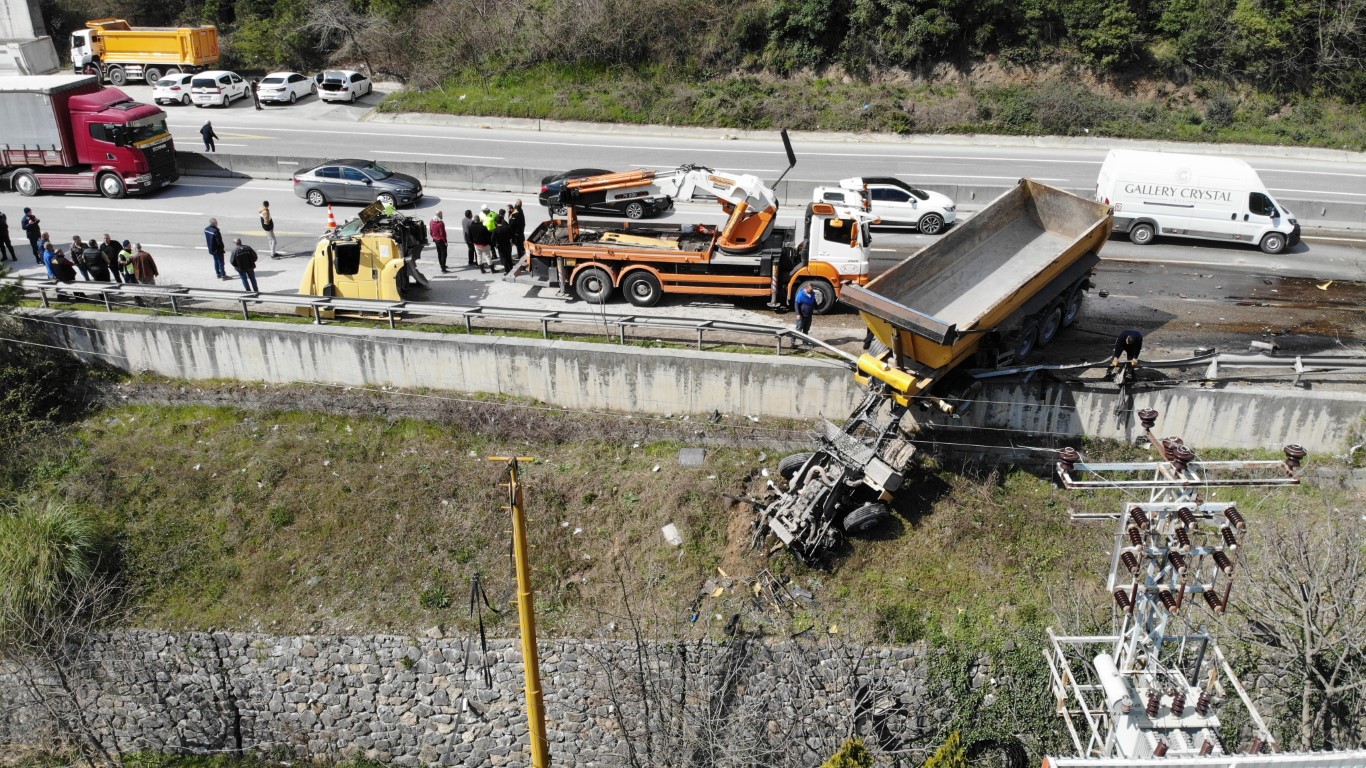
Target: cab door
[{"x": 1261, "y": 217}]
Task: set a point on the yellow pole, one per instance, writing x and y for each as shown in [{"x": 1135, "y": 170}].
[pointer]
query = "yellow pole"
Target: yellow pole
[{"x": 526, "y": 612}]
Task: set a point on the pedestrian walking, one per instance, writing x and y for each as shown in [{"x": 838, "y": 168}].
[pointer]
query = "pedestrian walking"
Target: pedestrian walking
[
  {"x": 244, "y": 261},
  {"x": 502, "y": 241},
  {"x": 483, "y": 241},
  {"x": 1130, "y": 344},
  {"x": 32, "y": 227},
  {"x": 209, "y": 136},
  {"x": 214, "y": 239},
  {"x": 268, "y": 224},
  {"x": 518, "y": 220},
  {"x": 109, "y": 249},
  {"x": 126, "y": 254},
  {"x": 5, "y": 243},
  {"x": 437, "y": 229},
  {"x": 144, "y": 266},
  {"x": 805, "y": 305},
  {"x": 465, "y": 229},
  {"x": 96, "y": 262},
  {"x": 255, "y": 93},
  {"x": 77, "y": 252}
]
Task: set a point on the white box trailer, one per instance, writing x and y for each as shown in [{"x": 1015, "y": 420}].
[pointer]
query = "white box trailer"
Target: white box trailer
[{"x": 1208, "y": 198}]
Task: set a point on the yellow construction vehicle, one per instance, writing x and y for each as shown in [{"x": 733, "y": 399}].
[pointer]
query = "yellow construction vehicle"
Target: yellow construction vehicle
[{"x": 373, "y": 256}]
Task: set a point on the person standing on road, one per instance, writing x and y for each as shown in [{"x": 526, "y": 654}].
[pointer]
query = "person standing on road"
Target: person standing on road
[
  {"x": 62, "y": 267},
  {"x": 255, "y": 92},
  {"x": 4, "y": 239},
  {"x": 207, "y": 132},
  {"x": 78, "y": 257},
  {"x": 465, "y": 228},
  {"x": 49, "y": 260},
  {"x": 518, "y": 221},
  {"x": 244, "y": 261},
  {"x": 214, "y": 239},
  {"x": 490, "y": 218},
  {"x": 96, "y": 262},
  {"x": 144, "y": 266},
  {"x": 483, "y": 240},
  {"x": 33, "y": 230},
  {"x": 126, "y": 263},
  {"x": 805, "y": 304},
  {"x": 502, "y": 241},
  {"x": 268, "y": 224},
  {"x": 437, "y": 230},
  {"x": 110, "y": 250}
]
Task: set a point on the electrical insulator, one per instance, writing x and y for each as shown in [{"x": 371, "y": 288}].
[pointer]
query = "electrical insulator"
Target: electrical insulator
[
  {"x": 1236, "y": 518},
  {"x": 1130, "y": 562},
  {"x": 1202, "y": 704},
  {"x": 1140, "y": 519},
  {"x": 1183, "y": 540},
  {"x": 1135, "y": 536},
  {"x": 1165, "y": 595},
  {"x": 1154, "y": 703},
  {"x": 1178, "y": 561},
  {"x": 1225, "y": 564},
  {"x": 1206, "y": 748},
  {"x": 1230, "y": 540},
  {"x": 1122, "y": 600},
  {"x": 1255, "y": 746},
  {"x": 1187, "y": 517},
  {"x": 1178, "y": 703},
  {"x": 1215, "y": 604},
  {"x": 1161, "y": 749}
]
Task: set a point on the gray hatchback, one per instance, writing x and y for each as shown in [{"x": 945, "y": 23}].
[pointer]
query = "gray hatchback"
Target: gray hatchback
[{"x": 355, "y": 181}]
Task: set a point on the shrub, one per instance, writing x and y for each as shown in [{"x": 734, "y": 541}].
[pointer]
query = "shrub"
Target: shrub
[
  {"x": 950, "y": 754},
  {"x": 44, "y": 547},
  {"x": 851, "y": 754},
  {"x": 435, "y": 597}
]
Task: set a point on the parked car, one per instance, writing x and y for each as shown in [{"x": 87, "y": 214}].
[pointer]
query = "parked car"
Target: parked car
[
  {"x": 634, "y": 205},
  {"x": 173, "y": 89},
  {"x": 217, "y": 87},
  {"x": 343, "y": 85},
  {"x": 898, "y": 204},
  {"x": 355, "y": 181},
  {"x": 285, "y": 87}
]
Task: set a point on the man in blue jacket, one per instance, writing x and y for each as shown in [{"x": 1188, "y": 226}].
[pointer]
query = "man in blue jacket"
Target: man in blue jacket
[
  {"x": 214, "y": 239},
  {"x": 805, "y": 304}
]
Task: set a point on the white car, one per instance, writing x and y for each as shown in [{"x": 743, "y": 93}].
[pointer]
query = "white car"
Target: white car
[
  {"x": 343, "y": 85},
  {"x": 898, "y": 204},
  {"x": 173, "y": 89},
  {"x": 217, "y": 87},
  {"x": 285, "y": 86}
]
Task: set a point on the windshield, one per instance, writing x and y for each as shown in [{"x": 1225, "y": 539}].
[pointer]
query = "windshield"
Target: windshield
[
  {"x": 146, "y": 130},
  {"x": 376, "y": 171},
  {"x": 272, "y": 81},
  {"x": 919, "y": 193}
]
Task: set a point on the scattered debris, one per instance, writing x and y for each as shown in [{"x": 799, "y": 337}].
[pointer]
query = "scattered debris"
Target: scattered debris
[
  {"x": 672, "y": 535},
  {"x": 692, "y": 457}
]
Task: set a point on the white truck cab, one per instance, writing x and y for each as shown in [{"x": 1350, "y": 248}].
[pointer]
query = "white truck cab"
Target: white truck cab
[{"x": 1208, "y": 198}]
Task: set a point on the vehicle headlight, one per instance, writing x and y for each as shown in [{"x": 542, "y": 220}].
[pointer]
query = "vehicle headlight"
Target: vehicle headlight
[
  {"x": 1294, "y": 223},
  {"x": 951, "y": 208}
]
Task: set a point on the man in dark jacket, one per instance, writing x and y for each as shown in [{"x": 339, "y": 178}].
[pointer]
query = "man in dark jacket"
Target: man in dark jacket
[
  {"x": 207, "y": 132},
  {"x": 805, "y": 305},
  {"x": 33, "y": 230},
  {"x": 244, "y": 261},
  {"x": 1130, "y": 344},
  {"x": 465, "y": 228},
  {"x": 4, "y": 239},
  {"x": 214, "y": 239},
  {"x": 518, "y": 221},
  {"x": 502, "y": 241},
  {"x": 483, "y": 241},
  {"x": 110, "y": 250},
  {"x": 96, "y": 262}
]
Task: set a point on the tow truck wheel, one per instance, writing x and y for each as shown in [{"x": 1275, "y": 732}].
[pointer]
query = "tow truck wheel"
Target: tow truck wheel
[
  {"x": 866, "y": 517},
  {"x": 642, "y": 289},
  {"x": 825, "y": 294},
  {"x": 1049, "y": 325},
  {"x": 635, "y": 210},
  {"x": 931, "y": 224},
  {"x": 593, "y": 285},
  {"x": 111, "y": 186},
  {"x": 1025, "y": 340},
  {"x": 1071, "y": 308},
  {"x": 788, "y": 466},
  {"x": 151, "y": 75},
  {"x": 117, "y": 77},
  {"x": 25, "y": 183},
  {"x": 316, "y": 198}
]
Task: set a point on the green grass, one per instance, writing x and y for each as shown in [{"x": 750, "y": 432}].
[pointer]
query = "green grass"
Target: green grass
[{"x": 1204, "y": 112}]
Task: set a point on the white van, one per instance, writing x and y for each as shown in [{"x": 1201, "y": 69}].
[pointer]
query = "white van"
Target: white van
[{"x": 1211, "y": 198}]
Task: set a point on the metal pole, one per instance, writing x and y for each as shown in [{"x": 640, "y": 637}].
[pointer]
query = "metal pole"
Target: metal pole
[{"x": 526, "y": 612}]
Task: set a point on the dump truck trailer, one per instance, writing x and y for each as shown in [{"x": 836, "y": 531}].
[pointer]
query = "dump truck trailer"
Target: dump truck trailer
[
  {"x": 986, "y": 294},
  {"x": 119, "y": 52}
]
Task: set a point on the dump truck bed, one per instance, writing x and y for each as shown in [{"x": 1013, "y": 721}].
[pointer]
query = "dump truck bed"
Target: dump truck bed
[{"x": 983, "y": 272}]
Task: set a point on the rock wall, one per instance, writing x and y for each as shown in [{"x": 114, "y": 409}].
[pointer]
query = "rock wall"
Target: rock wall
[{"x": 445, "y": 702}]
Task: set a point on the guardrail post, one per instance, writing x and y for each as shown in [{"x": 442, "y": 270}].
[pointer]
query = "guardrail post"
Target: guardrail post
[
  {"x": 545, "y": 328},
  {"x": 778, "y": 337},
  {"x": 104, "y": 294},
  {"x": 42, "y": 293},
  {"x": 621, "y": 332},
  {"x": 175, "y": 310},
  {"x": 245, "y": 316},
  {"x": 317, "y": 315},
  {"x": 389, "y": 313},
  {"x": 469, "y": 326},
  {"x": 699, "y": 338}
]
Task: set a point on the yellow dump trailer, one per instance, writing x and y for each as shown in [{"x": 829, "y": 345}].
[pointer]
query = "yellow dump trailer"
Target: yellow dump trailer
[{"x": 120, "y": 52}]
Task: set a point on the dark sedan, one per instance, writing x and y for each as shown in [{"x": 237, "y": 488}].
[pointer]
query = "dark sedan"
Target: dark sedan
[
  {"x": 631, "y": 203},
  {"x": 355, "y": 181}
]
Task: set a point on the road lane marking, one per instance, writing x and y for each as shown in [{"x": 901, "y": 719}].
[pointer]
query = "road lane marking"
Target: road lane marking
[
  {"x": 131, "y": 210},
  {"x": 1311, "y": 173},
  {"x": 962, "y": 176},
  {"x": 1192, "y": 263},
  {"x": 434, "y": 154},
  {"x": 1334, "y": 239},
  {"x": 1317, "y": 192}
]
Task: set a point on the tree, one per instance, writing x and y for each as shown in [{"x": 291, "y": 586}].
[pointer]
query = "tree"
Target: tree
[{"x": 852, "y": 754}]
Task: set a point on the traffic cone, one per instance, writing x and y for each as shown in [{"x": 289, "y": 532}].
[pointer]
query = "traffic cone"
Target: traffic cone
[{"x": 331, "y": 219}]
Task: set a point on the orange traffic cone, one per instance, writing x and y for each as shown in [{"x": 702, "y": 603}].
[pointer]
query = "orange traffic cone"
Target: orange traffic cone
[{"x": 331, "y": 219}]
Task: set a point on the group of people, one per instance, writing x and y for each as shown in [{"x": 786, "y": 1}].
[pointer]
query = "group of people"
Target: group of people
[
  {"x": 489, "y": 236},
  {"x": 105, "y": 260}
]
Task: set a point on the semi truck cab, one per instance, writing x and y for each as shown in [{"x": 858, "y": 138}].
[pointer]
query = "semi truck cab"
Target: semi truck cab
[{"x": 112, "y": 133}]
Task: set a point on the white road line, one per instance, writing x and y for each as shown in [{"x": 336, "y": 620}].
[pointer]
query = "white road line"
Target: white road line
[
  {"x": 1311, "y": 173},
  {"x": 961, "y": 176},
  {"x": 884, "y": 250},
  {"x": 1334, "y": 239},
  {"x": 131, "y": 210},
  {"x": 1317, "y": 192},
  {"x": 1183, "y": 263},
  {"x": 434, "y": 154}
]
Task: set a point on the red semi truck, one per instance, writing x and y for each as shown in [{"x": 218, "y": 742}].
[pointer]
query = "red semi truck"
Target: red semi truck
[{"x": 67, "y": 133}]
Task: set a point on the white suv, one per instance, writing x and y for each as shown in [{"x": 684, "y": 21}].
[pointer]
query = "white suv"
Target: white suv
[
  {"x": 898, "y": 204},
  {"x": 217, "y": 87}
]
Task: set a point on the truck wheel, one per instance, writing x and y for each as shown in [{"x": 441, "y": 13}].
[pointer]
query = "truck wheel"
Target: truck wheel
[
  {"x": 1141, "y": 234},
  {"x": 593, "y": 285},
  {"x": 825, "y": 294},
  {"x": 1025, "y": 340},
  {"x": 25, "y": 183},
  {"x": 151, "y": 75},
  {"x": 866, "y": 517},
  {"x": 642, "y": 289},
  {"x": 1049, "y": 325},
  {"x": 1274, "y": 242},
  {"x": 635, "y": 210},
  {"x": 111, "y": 186},
  {"x": 1071, "y": 308},
  {"x": 316, "y": 198},
  {"x": 117, "y": 77},
  {"x": 788, "y": 466},
  {"x": 171, "y": 71},
  {"x": 931, "y": 224}
]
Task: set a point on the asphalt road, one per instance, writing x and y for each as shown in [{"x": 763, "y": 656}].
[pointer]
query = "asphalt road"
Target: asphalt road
[{"x": 311, "y": 128}]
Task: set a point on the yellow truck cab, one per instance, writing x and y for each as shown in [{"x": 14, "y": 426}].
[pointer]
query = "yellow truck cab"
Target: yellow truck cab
[{"x": 369, "y": 257}]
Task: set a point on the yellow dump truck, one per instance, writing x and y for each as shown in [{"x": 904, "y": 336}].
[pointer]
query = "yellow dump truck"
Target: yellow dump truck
[
  {"x": 988, "y": 293},
  {"x": 119, "y": 52},
  {"x": 373, "y": 256}
]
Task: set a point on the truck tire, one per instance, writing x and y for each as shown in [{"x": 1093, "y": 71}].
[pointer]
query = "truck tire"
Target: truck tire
[
  {"x": 171, "y": 71},
  {"x": 825, "y": 293},
  {"x": 1050, "y": 323},
  {"x": 642, "y": 289},
  {"x": 866, "y": 517},
  {"x": 1071, "y": 307},
  {"x": 1273, "y": 243},
  {"x": 316, "y": 198},
  {"x": 931, "y": 224},
  {"x": 635, "y": 210},
  {"x": 1142, "y": 234},
  {"x": 788, "y": 465},
  {"x": 1025, "y": 340},
  {"x": 593, "y": 285},
  {"x": 25, "y": 183},
  {"x": 116, "y": 76},
  {"x": 111, "y": 186},
  {"x": 151, "y": 75}
]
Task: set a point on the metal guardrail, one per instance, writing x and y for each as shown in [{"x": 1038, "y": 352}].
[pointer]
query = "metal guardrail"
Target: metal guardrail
[{"x": 180, "y": 299}]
